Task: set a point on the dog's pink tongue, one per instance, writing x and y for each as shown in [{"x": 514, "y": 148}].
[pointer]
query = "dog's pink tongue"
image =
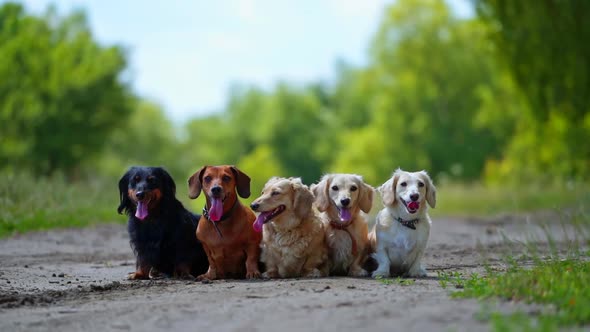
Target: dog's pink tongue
[
  {"x": 413, "y": 205},
  {"x": 259, "y": 222},
  {"x": 216, "y": 209},
  {"x": 345, "y": 214},
  {"x": 142, "y": 211}
]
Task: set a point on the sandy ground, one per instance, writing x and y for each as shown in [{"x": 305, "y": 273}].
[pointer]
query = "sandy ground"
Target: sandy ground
[{"x": 74, "y": 280}]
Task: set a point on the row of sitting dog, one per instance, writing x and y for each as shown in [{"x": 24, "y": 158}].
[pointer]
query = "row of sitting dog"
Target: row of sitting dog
[{"x": 299, "y": 231}]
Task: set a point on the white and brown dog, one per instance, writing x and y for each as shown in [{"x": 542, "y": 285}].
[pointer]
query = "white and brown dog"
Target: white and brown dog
[
  {"x": 402, "y": 228},
  {"x": 340, "y": 198}
]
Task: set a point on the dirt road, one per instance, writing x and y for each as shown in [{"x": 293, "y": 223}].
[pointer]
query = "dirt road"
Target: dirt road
[{"x": 74, "y": 280}]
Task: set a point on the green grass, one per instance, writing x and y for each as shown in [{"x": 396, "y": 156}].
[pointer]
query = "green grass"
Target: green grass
[
  {"x": 562, "y": 284},
  {"x": 30, "y": 203},
  {"x": 398, "y": 281},
  {"x": 479, "y": 200}
]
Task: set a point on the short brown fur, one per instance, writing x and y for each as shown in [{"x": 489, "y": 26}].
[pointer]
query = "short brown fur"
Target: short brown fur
[{"x": 236, "y": 253}]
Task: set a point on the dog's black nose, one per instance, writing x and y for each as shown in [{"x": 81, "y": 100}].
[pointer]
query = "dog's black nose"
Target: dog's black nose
[
  {"x": 254, "y": 206},
  {"x": 414, "y": 197},
  {"x": 140, "y": 195},
  {"x": 216, "y": 190},
  {"x": 345, "y": 201}
]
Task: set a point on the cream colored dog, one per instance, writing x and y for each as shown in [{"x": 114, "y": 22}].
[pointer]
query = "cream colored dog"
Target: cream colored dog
[
  {"x": 403, "y": 226},
  {"x": 341, "y": 198},
  {"x": 293, "y": 238}
]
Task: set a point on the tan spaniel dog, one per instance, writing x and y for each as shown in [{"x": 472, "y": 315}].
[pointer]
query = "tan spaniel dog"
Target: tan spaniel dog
[
  {"x": 293, "y": 238},
  {"x": 341, "y": 198}
]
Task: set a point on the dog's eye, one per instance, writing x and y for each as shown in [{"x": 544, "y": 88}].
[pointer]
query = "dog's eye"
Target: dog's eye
[
  {"x": 334, "y": 188},
  {"x": 403, "y": 184},
  {"x": 151, "y": 179},
  {"x": 420, "y": 184},
  {"x": 226, "y": 178},
  {"x": 207, "y": 179},
  {"x": 136, "y": 178},
  {"x": 274, "y": 193},
  {"x": 353, "y": 188}
]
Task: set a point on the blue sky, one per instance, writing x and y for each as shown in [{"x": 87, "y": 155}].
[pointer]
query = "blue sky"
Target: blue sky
[{"x": 185, "y": 54}]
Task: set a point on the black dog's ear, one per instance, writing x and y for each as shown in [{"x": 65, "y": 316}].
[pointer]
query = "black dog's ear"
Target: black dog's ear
[
  {"x": 242, "y": 182},
  {"x": 124, "y": 201},
  {"x": 168, "y": 184},
  {"x": 195, "y": 183}
]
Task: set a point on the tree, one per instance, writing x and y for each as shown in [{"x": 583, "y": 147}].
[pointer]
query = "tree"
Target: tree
[
  {"x": 61, "y": 94},
  {"x": 544, "y": 46},
  {"x": 425, "y": 74}
]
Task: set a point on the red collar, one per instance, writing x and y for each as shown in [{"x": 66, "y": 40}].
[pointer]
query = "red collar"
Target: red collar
[{"x": 343, "y": 227}]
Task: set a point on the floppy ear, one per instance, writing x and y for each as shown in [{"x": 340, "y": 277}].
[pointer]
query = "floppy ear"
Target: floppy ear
[
  {"x": 167, "y": 182},
  {"x": 242, "y": 182},
  {"x": 387, "y": 190},
  {"x": 302, "y": 200},
  {"x": 366, "y": 197},
  {"x": 430, "y": 189},
  {"x": 320, "y": 192},
  {"x": 124, "y": 201},
  {"x": 194, "y": 183}
]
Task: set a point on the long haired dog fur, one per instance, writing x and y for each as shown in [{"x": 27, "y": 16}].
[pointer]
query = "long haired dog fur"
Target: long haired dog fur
[
  {"x": 402, "y": 228},
  {"x": 161, "y": 230},
  {"x": 293, "y": 243},
  {"x": 340, "y": 198},
  {"x": 225, "y": 229}
]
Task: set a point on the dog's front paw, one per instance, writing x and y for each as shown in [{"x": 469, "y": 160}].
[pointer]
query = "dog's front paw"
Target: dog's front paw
[
  {"x": 419, "y": 272},
  {"x": 380, "y": 274},
  {"x": 136, "y": 276},
  {"x": 315, "y": 273},
  {"x": 253, "y": 274},
  {"x": 184, "y": 276},
  {"x": 358, "y": 272},
  {"x": 271, "y": 274},
  {"x": 155, "y": 274}
]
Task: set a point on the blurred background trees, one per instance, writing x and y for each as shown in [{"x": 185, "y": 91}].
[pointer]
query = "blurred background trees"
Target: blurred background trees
[
  {"x": 61, "y": 93},
  {"x": 503, "y": 96}
]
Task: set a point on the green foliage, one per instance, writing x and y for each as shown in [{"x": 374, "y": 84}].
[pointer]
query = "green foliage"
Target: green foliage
[
  {"x": 60, "y": 94},
  {"x": 424, "y": 107},
  {"x": 32, "y": 203},
  {"x": 147, "y": 138},
  {"x": 543, "y": 46},
  {"x": 476, "y": 199}
]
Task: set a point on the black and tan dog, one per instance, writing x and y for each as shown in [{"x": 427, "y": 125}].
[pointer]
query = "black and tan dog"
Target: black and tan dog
[{"x": 161, "y": 230}]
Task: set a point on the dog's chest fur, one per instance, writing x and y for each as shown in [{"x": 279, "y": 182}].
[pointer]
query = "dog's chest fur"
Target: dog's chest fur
[{"x": 403, "y": 244}]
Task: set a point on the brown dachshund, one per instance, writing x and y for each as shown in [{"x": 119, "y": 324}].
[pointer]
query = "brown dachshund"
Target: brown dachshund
[{"x": 225, "y": 229}]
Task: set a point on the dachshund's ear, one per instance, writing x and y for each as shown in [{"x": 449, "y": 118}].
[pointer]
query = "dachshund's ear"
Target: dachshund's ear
[
  {"x": 167, "y": 182},
  {"x": 320, "y": 191},
  {"x": 242, "y": 182},
  {"x": 302, "y": 199},
  {"x": 195, "y": 183},
  {"x": 124, "y": 201},
  {"x": 366, "y": 197},
  {"x": 388, "y": 191},
  {"x": 430, "y": 189}
]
